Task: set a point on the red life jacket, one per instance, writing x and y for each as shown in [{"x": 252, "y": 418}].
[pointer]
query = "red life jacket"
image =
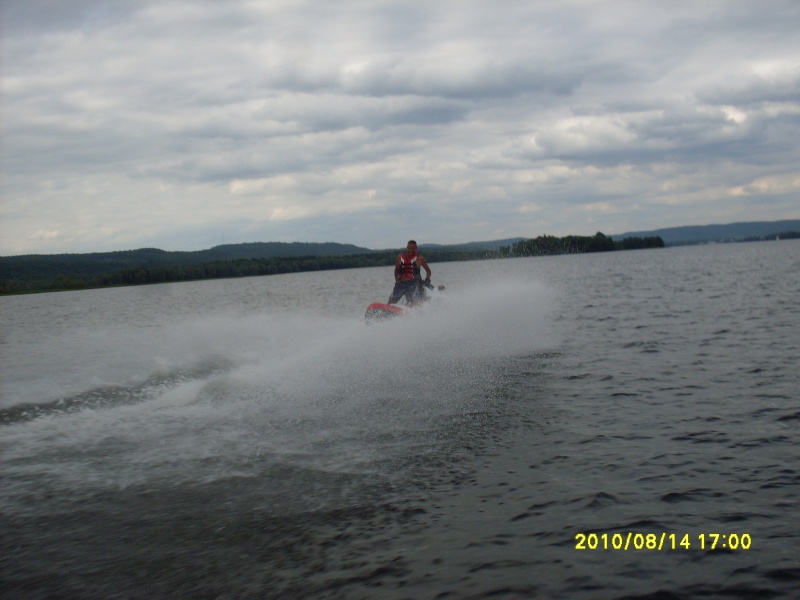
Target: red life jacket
[{"x": 408, "y": 267}]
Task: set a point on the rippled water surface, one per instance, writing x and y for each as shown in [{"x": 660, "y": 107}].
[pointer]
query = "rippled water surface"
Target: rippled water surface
[{"x": 253, "y": 438}]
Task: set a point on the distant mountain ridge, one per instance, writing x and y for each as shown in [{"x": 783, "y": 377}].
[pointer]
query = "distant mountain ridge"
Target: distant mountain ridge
[
  {"x": 278, "y": 249},
  {"x": 38, "y": 266},
  {"x": 490, "y": 245},
  {"x": 222, "y": 252},
  {"x": 698, "y": 234}
]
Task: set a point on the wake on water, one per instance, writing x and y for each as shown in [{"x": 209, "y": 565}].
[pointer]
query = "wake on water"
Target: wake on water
[{"x": 208, "y": 398}]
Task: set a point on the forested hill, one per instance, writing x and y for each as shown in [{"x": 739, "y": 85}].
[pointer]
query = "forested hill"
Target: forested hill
[
  {"x": 36, "y": 267},
  {"x": 275, "y": 249}
]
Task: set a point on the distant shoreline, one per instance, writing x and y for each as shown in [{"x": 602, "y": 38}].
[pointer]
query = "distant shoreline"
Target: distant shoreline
[
  {"x": 69, "y": 272},
  {"x": 33, "y": 274}
]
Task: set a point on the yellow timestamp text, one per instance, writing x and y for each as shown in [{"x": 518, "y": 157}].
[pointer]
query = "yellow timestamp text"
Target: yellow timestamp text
[{"x": 663, "y": 541}]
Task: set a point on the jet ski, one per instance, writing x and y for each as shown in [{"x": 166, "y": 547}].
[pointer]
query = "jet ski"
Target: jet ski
[
  {"x": 380, "y": 311},
  {"x": 383, "y": 311}
]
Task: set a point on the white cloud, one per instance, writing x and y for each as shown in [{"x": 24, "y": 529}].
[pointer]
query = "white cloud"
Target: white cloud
[{"x": 45, "y": 234}]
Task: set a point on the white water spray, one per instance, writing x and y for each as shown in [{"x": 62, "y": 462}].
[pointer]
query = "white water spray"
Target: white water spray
[{"x": 212, "y": 396}]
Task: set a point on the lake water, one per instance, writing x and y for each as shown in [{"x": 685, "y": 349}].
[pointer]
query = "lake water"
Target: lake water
[{"x": 590, "y": 426}]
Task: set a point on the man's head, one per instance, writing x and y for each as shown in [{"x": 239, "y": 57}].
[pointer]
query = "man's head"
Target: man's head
[{"x": 411, "y": 247}]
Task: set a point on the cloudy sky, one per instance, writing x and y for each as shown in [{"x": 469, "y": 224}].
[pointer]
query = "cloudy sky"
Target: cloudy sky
[{"x": 182, "y": 124}]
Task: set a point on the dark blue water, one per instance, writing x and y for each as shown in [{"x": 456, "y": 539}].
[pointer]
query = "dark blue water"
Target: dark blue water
[{"x": 592, "y": 426}]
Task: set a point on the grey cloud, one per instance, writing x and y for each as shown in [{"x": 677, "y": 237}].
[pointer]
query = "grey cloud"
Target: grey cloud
[
  {"x": 480, "y": 113},
  {"x": 476, "y": 82},
  {"x": 752, "y": 90},
  {"x": 38, "y": 16}
]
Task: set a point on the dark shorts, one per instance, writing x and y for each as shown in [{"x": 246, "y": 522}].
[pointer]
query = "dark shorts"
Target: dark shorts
[{"x": 410, "y": 288}]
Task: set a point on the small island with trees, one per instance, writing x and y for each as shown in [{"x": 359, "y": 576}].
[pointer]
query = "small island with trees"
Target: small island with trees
[{"x": 547, "y": 245}]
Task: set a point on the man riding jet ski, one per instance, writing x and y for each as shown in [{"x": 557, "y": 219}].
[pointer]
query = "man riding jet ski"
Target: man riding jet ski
[
  {"x": 408, "y": 284},
  {"x": 407, "y": 277}
]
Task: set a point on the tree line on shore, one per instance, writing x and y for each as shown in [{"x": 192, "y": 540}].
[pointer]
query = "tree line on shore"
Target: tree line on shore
[
  {"x": 25, "y": 277},
  {"x": 548, "y": 245}
]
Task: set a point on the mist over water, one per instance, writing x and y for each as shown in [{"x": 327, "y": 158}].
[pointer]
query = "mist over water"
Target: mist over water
[{"x": 255, "y": 438}]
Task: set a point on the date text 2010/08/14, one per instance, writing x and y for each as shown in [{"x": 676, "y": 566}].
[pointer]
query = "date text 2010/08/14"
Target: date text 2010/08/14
[{"x": 663, "y": 541}]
